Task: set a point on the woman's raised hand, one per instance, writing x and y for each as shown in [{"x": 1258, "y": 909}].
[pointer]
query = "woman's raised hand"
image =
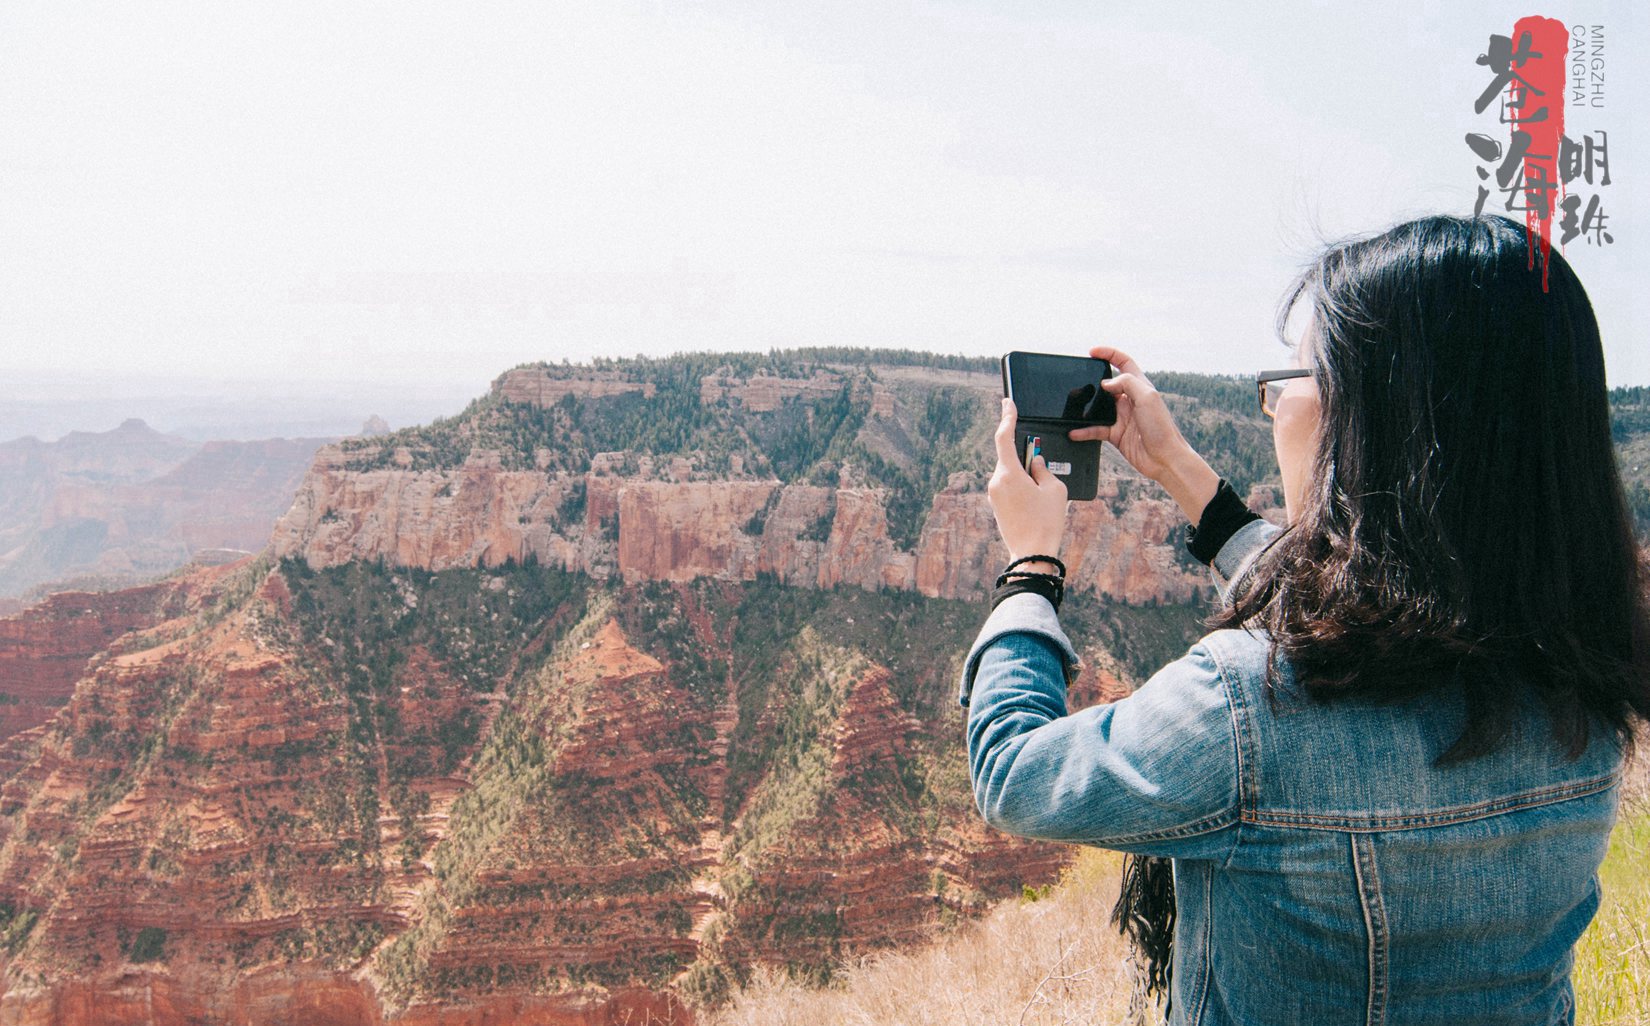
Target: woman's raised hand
[
  {"x": 1030, "y": 506},
  {"x": 1146, "y": 435}
]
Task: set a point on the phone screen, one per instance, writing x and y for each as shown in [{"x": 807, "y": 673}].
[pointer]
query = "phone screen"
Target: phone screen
[{"x": 1048, "y": 387}]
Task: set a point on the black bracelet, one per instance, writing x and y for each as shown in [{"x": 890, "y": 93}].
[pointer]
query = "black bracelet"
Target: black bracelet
[
  {"x": 1037, "y": 559},
  {"x": 1009, "y": 576},
  {"x": 1013, "y": 582},
  {"x": 1221, "y": 519},
  {"x": 1041, "y": 584},
  {"x": 1017, "y": 582}
]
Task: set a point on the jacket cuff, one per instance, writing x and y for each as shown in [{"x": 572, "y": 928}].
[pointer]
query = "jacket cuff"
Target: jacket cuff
[
  {"x": 1223, "y": 516},
  {"x": 1236, "y": 558},
  {"x": 1024, "y": 612}
]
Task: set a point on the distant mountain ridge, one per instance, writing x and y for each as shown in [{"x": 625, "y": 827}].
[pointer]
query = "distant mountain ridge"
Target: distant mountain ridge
[{"x": 112, "y": 508}]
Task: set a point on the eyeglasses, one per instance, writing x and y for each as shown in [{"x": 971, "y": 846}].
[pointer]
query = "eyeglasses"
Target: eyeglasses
[{"x": 1270, "y": 385}]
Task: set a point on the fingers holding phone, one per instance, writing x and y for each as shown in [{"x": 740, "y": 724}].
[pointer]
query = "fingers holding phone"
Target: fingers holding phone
[
  {"x": 1145, "y": 431},
  {"x": 1123, "y": 362},
  {"x": 1146, "y": 435}
]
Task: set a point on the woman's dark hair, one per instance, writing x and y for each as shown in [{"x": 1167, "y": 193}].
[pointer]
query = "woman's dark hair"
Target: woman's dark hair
[{"x": 1467, "y": 519}]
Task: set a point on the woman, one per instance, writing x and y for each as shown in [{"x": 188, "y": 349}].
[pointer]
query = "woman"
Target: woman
[{"x": 1387, "y": 778}]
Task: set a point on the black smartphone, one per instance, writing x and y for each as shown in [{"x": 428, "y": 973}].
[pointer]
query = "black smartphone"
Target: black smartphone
[
  {"x": 1054, "y": 394},
  {"x": 1064, "y": 388}
]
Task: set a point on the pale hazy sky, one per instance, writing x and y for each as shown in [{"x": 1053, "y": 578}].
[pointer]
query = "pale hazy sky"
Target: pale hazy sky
[{"x": 426, "y": 194}]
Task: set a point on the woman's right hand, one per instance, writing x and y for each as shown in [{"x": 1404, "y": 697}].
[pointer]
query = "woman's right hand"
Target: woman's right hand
[{"x": 1146, "y": 435}]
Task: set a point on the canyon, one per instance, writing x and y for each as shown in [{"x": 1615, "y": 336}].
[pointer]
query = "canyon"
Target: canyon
[{"x": 569, "y": 709}]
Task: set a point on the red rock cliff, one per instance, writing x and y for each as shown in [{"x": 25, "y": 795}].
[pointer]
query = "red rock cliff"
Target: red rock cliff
[
  {"x": 44, "y": 649},
  {"x": 646, "y": 528}
]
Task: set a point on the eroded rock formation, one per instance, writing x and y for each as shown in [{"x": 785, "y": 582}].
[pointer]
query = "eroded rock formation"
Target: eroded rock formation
[
  {"x": 651, "y": 529},
  {"x": 45, "y": 649},
  {"x": 369, "y": 796},
  {"x": 551, "y": 713}
]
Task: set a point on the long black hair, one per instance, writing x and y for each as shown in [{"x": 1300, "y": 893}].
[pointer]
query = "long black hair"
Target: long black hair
[{"x": 1466, "y": 522}]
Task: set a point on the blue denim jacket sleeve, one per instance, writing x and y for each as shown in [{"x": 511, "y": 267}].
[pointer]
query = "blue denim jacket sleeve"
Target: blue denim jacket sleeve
[
  {"x": 1155, "y": 772},
  {"x": 1023, "y": 613}
]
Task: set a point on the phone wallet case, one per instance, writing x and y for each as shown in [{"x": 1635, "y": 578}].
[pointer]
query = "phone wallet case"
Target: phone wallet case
[{"x": 1075, "y": 463}]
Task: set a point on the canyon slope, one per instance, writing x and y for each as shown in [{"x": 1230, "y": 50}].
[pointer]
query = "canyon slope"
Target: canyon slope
[{"x": 569, "y": 709}]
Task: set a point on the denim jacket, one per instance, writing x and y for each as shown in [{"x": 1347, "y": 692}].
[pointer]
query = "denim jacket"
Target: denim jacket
[{"x": 1326, "y": 872}]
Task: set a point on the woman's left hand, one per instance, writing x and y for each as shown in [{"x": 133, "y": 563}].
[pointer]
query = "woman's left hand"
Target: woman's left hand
[{"x": 1030, "y": 508}]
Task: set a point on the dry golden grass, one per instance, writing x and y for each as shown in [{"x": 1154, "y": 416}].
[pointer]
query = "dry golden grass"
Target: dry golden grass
[
  {"x": 1048, "y": 962},
  {"x": 1058, "y": 960}
]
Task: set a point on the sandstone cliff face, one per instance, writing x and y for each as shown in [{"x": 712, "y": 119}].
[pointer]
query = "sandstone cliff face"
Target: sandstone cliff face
[
  {"x": 540, "y": 388},
  {"x": 763, "y": 393},
  {"x": 663, "y": 530},
  {"x": 44, "y": 650},
  {"x": 476, "y": 515},
  {"x": 664, "y": 517}
]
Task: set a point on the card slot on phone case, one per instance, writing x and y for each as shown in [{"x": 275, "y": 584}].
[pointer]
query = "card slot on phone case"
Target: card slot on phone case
[{"x": 1075, "y": 463}]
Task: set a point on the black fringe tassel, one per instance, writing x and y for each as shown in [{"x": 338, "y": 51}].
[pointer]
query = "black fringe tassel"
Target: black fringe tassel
[{"x": 1145, "y": 914}]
